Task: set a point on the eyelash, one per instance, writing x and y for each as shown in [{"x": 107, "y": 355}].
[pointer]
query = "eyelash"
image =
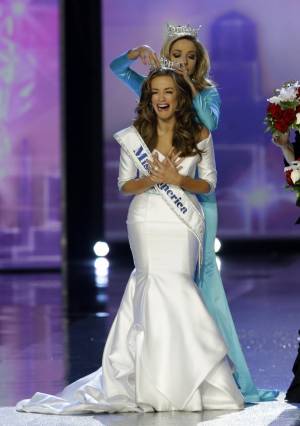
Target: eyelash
[
  {"x": 190, "y": 57},
  {"x": 156, "y": 93}
]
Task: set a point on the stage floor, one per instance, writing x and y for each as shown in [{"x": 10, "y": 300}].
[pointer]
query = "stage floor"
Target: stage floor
[
  {"x": 270, "y": 413},
  {"x": 44, "y": 346}
]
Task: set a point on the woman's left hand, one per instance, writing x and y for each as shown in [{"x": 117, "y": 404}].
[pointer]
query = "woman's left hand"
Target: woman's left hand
[
  {"x": 182, "y": 70},
  {"x": 165, "y": 171}
]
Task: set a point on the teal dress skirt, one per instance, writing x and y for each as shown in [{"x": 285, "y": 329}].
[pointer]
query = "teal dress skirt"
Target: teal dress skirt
[{"x": 207, "y": 106}]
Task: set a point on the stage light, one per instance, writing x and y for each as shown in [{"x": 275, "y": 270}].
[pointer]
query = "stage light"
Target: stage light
[
  {"x": 219, "y": 263},
  {"x": 101, "y": 265},
  {"x": 217, "y": 245},
  {"x": 259, "y": 197},
  {"x": 101, "y": 280},
  {"x": 101, "y": 249},
  {"x": 102, "y": 314},
  {"x": 102, "y": 298}
]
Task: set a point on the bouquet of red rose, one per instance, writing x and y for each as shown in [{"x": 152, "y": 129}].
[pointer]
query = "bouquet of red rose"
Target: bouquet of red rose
[
  {"x": 292, "y": 174},
  {"x": 283, "y": 111}
]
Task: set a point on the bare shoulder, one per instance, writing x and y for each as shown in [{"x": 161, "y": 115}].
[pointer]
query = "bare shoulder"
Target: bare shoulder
[{"x": 203, "y": 133}]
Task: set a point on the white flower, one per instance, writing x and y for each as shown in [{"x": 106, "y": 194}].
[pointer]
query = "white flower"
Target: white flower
[
  {"x": 295, "y": 176},
  {"x": 274, "y": 100},
  {"x": 287, "y": 94},
  {"x": 296, "y": 84},
  {"x": 298, "y": 118},
  {"x": 295, "y": 165}
]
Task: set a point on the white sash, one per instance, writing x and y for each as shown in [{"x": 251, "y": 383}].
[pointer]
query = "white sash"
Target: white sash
[{"x": 177, "y": 199}]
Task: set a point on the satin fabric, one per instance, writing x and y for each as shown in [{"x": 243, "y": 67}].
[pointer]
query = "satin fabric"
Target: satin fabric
[
  {"x": 207, "y": 106},
  {"x": 164, "y": 351}
]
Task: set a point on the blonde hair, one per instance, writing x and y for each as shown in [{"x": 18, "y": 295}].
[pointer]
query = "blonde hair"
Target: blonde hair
[{"x": 200, "y": 76}]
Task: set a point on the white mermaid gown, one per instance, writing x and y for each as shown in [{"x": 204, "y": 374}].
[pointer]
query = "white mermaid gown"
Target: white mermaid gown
[{"x": 164, "y": 351}]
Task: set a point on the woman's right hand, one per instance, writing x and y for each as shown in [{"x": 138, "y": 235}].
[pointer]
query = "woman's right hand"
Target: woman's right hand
[
  {"x": 154, "y": 166},
  {"x": 281, "y": 140},
  {"x": 146, "y": 54}
]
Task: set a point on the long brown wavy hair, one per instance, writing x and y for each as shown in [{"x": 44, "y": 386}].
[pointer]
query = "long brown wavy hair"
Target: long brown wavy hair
[
  {"x": 200, "y": 75},
  {"x": 187, "y": 129}
]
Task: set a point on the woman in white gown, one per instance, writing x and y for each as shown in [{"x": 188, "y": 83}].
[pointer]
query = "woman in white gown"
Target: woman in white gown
[{"x": 164, "y": 351}]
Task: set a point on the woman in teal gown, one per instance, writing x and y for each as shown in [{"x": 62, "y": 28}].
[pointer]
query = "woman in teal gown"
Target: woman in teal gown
[{"x": 185, "y": 49}]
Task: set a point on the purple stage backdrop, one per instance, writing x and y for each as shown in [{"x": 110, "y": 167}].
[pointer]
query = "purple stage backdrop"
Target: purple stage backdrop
[
  {"x": 30, "y": 222},
  {"x": 253, "y": 47}
]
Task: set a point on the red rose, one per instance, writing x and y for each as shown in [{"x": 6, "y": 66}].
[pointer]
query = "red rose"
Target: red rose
[
  {"x": 286, "y": 118},
  {"x": 274, "y": 110},
  {"x": 288, "y": 177},
  {"x": 281, "y": 126},
  {"x": 289, "y": 116}
]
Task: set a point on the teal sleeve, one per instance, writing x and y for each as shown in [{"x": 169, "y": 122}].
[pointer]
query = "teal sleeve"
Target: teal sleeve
[
  {"x": 207, "y": 105},
  {"x": 120, "y": 66}
]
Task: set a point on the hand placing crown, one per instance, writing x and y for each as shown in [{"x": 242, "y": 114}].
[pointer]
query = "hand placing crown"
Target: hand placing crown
[{"x": 182, "y": 30}]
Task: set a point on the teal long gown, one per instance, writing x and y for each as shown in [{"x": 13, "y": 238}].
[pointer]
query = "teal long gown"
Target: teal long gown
[{"x": 207, "y": 106}]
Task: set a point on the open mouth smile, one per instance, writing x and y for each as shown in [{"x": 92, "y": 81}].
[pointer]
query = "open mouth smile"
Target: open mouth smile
[{"x": 163, "y": 107}]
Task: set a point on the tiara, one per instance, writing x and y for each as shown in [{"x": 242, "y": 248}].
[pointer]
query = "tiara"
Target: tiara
[
  {"x": 182, "y": 30},
  {"x": 165, "y": 64}
]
